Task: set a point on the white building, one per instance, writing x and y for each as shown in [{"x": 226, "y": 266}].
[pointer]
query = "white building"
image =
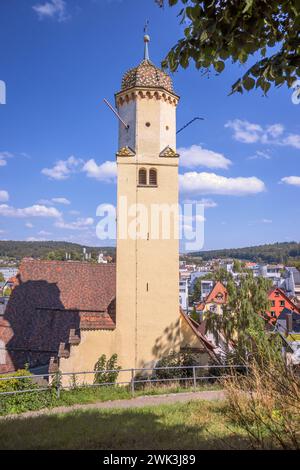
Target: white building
[
  {"x": 9, "y": 272},
  {"x": 184, "y": 293}
]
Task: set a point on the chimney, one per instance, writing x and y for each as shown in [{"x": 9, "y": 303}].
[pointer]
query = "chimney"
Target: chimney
[{"x": 289, "y": 323}]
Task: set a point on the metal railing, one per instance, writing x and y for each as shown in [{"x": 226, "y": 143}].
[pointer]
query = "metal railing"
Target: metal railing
[{"x": 145, "y": 376}]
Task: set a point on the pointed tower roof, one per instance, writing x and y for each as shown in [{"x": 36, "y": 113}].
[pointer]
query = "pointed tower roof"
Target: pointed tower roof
[{"x": 146, "y": 74}]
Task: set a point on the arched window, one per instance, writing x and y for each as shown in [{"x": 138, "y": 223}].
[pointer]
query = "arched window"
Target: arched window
[
  {"x": 142, "y": 176},
  {"x": 153, "y": 177}
]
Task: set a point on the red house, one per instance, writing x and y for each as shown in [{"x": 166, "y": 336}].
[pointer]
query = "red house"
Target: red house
[{"x": 279, "y": 301}]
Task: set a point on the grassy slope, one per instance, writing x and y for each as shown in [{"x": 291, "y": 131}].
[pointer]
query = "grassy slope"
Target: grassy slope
[
  {"x": 15, "y": 404},
  {"x": 195, "y": 425}
]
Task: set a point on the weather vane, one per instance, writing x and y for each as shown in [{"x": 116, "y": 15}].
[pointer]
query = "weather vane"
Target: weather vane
[{"x": 146, "y": 26}]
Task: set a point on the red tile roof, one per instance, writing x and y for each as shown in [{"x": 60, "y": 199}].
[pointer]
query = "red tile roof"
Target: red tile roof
[
  {"x": 81, "y": 286},
  {"x": 51, "y": 303},
  {"x": 218, "y": 294}
]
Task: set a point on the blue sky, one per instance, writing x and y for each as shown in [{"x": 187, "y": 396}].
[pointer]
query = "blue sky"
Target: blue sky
[{"x": 59, "y": 59}]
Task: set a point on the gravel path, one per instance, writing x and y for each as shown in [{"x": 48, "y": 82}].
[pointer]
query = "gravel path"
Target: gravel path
[{"x": 138, "y": 402}]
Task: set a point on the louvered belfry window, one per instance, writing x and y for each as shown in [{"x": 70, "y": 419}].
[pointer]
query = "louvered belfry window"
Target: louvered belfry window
[
  {"x": 142, "y": 176},
  {"x": 153, "y": 177}
]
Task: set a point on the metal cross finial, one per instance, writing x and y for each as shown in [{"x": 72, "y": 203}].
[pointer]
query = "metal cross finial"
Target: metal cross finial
[{"x": 146, "y": 41}]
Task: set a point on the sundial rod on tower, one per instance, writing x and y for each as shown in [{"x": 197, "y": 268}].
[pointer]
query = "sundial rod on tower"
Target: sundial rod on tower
[
  {"x": 190, "y": 122},
  {"x": 116, "y": 113}
]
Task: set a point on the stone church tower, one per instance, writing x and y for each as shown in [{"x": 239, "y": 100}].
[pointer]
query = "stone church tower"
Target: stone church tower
[{"x": 147, "y": 263}]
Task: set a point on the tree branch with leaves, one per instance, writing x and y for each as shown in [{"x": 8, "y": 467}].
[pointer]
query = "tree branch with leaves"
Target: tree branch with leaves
[{"x": 221, "y": 30}]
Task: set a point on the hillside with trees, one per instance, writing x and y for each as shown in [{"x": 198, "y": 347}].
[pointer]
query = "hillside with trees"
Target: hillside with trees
[
  {"x": 49, "y": 250},
  {"x": 271, "y": 253}
]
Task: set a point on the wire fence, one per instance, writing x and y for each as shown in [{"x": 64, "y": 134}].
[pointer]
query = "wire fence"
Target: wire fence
[{"x": 135, "y": 379}]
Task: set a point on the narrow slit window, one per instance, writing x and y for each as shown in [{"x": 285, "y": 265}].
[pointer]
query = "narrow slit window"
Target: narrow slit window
[
  {"x": 142, "y": 176},
  {"x": 153, "y": 177}
]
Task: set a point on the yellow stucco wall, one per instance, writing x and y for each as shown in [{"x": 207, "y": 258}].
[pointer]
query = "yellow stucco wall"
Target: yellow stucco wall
[
  {"x": 148, "y": 322},
  {"x": 147, "y": 269},
  {"x": 83, "y": 357}
]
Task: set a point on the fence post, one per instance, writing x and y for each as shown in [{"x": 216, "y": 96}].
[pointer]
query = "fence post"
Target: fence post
[
  {"x": 132, "y": 382},
  {"x": 194, "y": 377},
  {"x": 58, "y": 390}
]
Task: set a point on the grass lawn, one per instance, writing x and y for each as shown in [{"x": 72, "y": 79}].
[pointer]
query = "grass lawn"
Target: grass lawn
[
  {"x": 39, "y": 400},
  {"x": 193, "y": 425}
]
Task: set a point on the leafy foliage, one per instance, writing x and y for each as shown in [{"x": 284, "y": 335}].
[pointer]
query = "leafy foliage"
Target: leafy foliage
[
  {"x": 265, "y": 403},
  {"x": 269, "y": 253},
  {"x": 26, "y": 401},
  {"x": 241, "y": 322},
  {"x": 176, "y": 359},
  {"x": 221, "y": 30},
  {"x": 107, "y": 371}
]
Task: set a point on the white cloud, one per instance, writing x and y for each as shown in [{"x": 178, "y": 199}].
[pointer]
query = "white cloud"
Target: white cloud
[
  {"x": 29, "y": 225},
  {"x": 292, "y": 180},
  {"x": 4, "y": 156},
  {"x": 193, "y": 156},
  {"x": 259, "y": 154},
  {"x": 74, "y": 212},
  {"x": 63, "y": 168},
  {"x": 79, "y": 224},
  {"x": 35, "y": 239},
  {"x": 55, "y": 200},
  {"x": 207, "y": 203},
  {"x": 106, "y": 171},
  {"x": 56, "y": 9},
  {"x": 4, "y": 196},
  {"x": 61, "y": 200},
  {"x": 44, "y": 233},
  {"x": 33, "y": 211},
  {"x": 249, "y": 133},
  {"x": 244, "y": 131},
  {"x": 210, "y": 183},
  {"x": 267, "y": 221},
  {"x": 292, "y": 140},
  {"x": 275, "y": 130}
]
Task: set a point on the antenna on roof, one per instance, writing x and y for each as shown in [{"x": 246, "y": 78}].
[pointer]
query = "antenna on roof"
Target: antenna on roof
[
  {"x": 146, "y": 41},
  {"x": 116, "y": 113},
  {"x": 190, "y": 122}
]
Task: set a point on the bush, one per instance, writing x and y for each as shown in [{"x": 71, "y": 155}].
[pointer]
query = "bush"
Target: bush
[
  {"x": 176, "y": 359},
  {"x": 26, "y": 401},
  {"x": 265, "y": 403},
  {"x": 107, "y": 371}
]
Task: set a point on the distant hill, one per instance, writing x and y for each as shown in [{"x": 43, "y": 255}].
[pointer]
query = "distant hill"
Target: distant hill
[
  {"x": 272, "y": 253},
  {"x": 22, "y": 249}
]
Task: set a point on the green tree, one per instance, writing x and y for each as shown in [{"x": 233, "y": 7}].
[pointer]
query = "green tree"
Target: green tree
[
  {"x": 221, "y": 30},
  {"x": 237, "y": 266},
  {"x": 2, "y": 279},
  {"x": 242, "y": 322}
]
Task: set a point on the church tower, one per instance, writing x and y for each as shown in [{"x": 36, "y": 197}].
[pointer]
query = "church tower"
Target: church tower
[{"x": 147, "y": 259}]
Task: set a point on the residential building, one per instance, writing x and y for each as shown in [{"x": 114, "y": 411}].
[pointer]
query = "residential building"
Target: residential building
[
  {"x": 206, "y": 287},
  {"x": 184, "y": 293},
  {"x": 279, "y": 301},
  {"x": 288, "y": 326},
  {"x": 292, "y": 282}
]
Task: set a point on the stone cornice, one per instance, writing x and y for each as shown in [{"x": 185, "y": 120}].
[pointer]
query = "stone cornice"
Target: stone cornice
[{"x": 145, "y": 93}]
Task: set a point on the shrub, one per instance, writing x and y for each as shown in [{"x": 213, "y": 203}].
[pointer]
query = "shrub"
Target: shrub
[
  {"x": 265, "y": 403},
  {"x": 173, "y": 360},
  {"x": 107, "y": 371},
  {"x": 26, "y": 401}
]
